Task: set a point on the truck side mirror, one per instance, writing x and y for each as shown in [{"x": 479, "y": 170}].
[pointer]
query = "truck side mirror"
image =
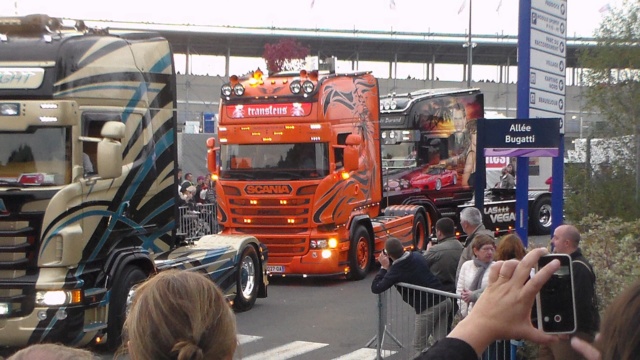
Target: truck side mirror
[
  {"x": 110, "y": 150},
  {"x": 212, "y": 156},
  {"x": 351, "y": 152}
]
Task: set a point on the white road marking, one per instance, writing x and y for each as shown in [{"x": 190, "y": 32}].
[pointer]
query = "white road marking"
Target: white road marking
[
  {"x": 365, "y": 354},
  {"x": 245, "y": 339},
  {"x": 287, "y": 351}
]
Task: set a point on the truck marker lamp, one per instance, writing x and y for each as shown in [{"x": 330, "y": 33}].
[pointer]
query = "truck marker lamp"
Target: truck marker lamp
[
  {"x": 283, "y": 202},
  {"x": 326, "y": 254},
  {"x": 247, "y": 221},
  {"x": 48, "y": 106},
  {"x": 289, "y": 127},
  {"x": 291, "y": 221},
  {"x": 295, "y": 87},
  {"x": 315, "y": 138},
  {"x": 253, "y": 202},
  {"x": 238, "y": 89},
  {"x": 267, "y": 139},
  {"x": 11, "y": 109},
  {"x": 315, "y": 126},
  {"x": 308, "y": 87},
  {"x": 222, "y": 128},
  {"x": 223, "y": 140},
  {"x": 333, "y": 243},
  {"x": 255, "y": 133},
  {"x": 256, "y": 78},
  {"x": 345, "y": 175},
  {"x": 5, "y": 308},
  {"x": 226, "y": 90},
  {"x": 278, "y": 133},
  {"x": 58, "y": 297},
  {"x": 48, "y": 118}
]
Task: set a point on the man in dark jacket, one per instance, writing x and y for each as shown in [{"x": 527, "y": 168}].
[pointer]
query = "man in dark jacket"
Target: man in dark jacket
[
  {"x": 397, "y": 266},
  {"x": 566, "y": 240},
  {"x": 442, "y": 258}
]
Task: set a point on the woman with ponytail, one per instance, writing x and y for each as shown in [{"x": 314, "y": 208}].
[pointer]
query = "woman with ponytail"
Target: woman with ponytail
[{"x": 180, "y": 315}]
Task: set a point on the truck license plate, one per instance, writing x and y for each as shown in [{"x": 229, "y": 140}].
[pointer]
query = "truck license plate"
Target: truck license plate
[{"x": 275, "y": 268}]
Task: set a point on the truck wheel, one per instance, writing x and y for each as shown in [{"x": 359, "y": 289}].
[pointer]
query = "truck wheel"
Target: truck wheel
[
  {"x": 360, "y": 254},
  {"x": 541, "y": 216},
  {"x": 247, "y": 280},
  {"x": 130, "y": 276},
  {"x": 419, "y": 232}
]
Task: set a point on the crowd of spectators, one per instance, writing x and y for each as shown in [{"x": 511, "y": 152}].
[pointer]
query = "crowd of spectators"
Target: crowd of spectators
[{"x": 193, "y": 193}]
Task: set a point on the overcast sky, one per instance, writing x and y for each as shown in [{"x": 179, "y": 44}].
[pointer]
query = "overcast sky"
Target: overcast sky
[{"x": 489, "y": 16}]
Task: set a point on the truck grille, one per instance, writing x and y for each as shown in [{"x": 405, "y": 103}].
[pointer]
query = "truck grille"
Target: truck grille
[
  {"x": 19, "y": 236},
  {"x": 281, "y": 224}
]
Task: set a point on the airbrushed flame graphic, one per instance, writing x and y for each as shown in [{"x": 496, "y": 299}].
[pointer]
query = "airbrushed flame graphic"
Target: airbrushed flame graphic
[{"x": 356, "y": 99}]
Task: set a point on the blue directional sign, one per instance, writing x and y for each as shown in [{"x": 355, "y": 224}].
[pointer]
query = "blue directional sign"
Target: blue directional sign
[{"x": 522, "y": 137}]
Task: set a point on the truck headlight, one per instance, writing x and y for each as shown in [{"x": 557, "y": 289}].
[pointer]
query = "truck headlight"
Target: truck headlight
[
  {"x": 9, "y": 109},
  {"x": 58, "y": 297},
  {"x": 318, "y": 244},
  {"x": 5, "y": 308}
]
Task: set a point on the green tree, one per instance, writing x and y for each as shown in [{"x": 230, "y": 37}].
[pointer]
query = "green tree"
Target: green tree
[
  {"x": 285, "y": 55},
  {"x": 612, "y": 72}
]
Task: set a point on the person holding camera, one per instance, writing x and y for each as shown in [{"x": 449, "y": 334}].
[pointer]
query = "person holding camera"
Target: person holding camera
[
  {"x": 400, "y": 266},
  {"x": 566, "y": 240},
  {"x": 442, "y": 257}
]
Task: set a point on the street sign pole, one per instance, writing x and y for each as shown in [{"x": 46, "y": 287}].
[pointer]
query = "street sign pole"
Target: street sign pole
[{"x": 522, "y": 164}]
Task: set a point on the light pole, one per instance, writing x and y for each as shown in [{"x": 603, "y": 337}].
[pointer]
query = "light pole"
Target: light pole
[
  {"x": 469, "y": 45},
  {"x": 469, "y": 50},
  {"x": 576, "y": 117}
]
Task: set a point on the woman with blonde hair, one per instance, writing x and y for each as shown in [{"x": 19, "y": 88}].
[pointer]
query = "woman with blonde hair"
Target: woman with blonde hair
[
  {"x": 510, "y": 247},
  {"x": 180, "y": 315}
]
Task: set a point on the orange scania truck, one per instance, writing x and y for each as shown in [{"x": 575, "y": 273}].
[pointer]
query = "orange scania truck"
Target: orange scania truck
[{"x": 298, "y": 166}]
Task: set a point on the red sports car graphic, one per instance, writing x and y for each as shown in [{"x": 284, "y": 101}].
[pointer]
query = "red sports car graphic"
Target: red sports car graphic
[{"x": 435, "y": 177}]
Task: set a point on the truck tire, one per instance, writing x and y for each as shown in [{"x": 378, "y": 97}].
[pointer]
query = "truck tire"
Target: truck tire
[
  {"x": 360, "y": 254},
  {"x": 420, "y": 232},
  {"x": 130, "y": 276},
  {"x": 540, "y": 216},
  {"x": 247, "y": 280}
]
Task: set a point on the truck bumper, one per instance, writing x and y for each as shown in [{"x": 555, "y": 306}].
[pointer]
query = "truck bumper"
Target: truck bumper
[
  {"x": 317, "y": 262},
  {"x": 65, "y": 325}
]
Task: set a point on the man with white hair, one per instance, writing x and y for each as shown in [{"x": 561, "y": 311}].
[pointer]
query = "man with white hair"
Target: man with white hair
[{"x": 471, "y": 223}]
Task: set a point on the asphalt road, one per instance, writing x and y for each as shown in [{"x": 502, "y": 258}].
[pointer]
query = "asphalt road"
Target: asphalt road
[{"x": 313, "y": 319}]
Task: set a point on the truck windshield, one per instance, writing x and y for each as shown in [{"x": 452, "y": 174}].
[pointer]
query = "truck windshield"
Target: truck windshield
[
  {"x": 274, "y": 161},
  {"x": 38, "y": 157},
  {"x": 398, "y": 156}
]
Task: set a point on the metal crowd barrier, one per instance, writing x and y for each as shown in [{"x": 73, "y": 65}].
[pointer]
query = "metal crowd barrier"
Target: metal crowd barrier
[
  {"x": 197, "y": 221},
  {"x": 396, "y": 324}
]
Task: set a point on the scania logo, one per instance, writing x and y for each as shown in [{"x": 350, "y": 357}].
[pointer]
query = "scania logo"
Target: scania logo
[{"x": 267, "y": 189}]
